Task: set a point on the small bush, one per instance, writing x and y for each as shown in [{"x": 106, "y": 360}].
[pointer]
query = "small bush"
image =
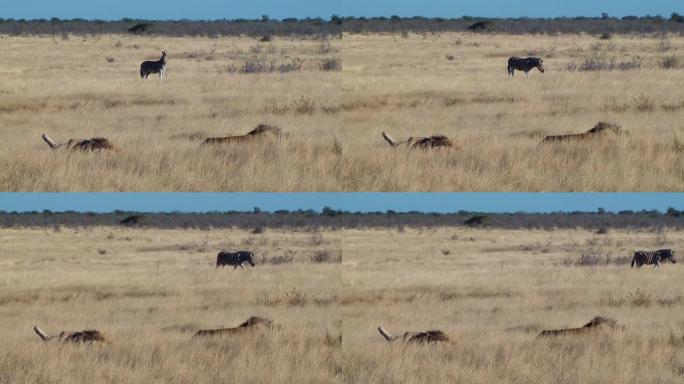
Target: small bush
[
  {"x": 606, "y": 36},
  {"x": 449, "y": 57},
  {"x": 139, "y": 28},
  {"x": 262, "y": 66},
  {"x": 325, "y": 46},
  {"x": 669, "y": 62},
  {"x": 664, "y": 42},
  {"x": 331, "y": 64},
  {"x": 276, "y": 260},
  {"x": 304, "y": 105},
  {"x": 266, "y": 38},
  {"x": 326, "y": 256},
  {"x": 481, "y": 26},
  {"x": 601, "y": 64},
  {"x": 476, "y": 221},
  {"x": 296, "y": 297},
  {"x": 258, "y": 230},
  {"x": 109, "y": 59},
  {"x": 588, "y": 259},
  {"x": 602, "y": 231},
  {"x": 643, "y": 103},
  {"x": 294, "y": 66},
  {"x": 132, "y": 220}
]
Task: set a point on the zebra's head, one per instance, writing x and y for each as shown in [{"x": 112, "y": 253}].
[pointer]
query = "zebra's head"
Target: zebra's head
[
  {"x": 540, "y": 65},
  {"x": 248, "y": 258},
  {"x": 667, "y": 254}
]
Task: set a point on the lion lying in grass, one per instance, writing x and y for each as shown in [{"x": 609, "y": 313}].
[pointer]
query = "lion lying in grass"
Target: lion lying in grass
[
  {"x": 436, "y": 141},
  {"x": 595, "y": 324},
  {"x": 261, "y": 131},
  {"x": 431, "y": 336},
  {"x": 600, "y": 130},
  {"x": 93, "y": 144},
  {"x": 84, "y": 336},
  {"x": 251, "y": 324}
]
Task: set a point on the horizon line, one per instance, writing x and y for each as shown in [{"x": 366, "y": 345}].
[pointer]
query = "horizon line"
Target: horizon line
[{"x": 333, "y": 16}]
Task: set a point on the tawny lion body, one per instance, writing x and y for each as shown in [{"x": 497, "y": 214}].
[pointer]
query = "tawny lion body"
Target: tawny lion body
[
  {"x": 436, "y": 141},
  {"x": 431, "y": 336},
  {"x": 93, "y": 144},
  {"x": 595, "y": 324},
  {"x": 600, "y": 130},
  {"x": 84, "y": 336},
  {"x": 251, "y": 324},
  {"x": 262, "y": 130}
]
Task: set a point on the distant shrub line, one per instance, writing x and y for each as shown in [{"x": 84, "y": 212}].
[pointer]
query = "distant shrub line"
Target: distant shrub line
[
  {"x": 258, "y": 222},
  {"x": 265, "y": 28}
]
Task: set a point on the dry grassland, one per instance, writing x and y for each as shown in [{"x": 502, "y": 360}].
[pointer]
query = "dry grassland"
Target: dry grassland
[
  {"x": 409, "y": 87},
  {"x": 493, "y": 291},
  {"x": 85, "y": 87},
  {"x": 149, "y": 290}
]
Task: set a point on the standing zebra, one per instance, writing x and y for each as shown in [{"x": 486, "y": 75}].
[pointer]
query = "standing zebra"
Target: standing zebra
[
  {"x": 150, "y": 67},
  {"x": 236, "y": 259},
  {"x": 653, "y": 258},
  {"x": 524, "y": 64}
]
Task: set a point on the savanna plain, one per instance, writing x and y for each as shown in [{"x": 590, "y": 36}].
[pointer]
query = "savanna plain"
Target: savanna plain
[
  {"x": 149, "y": 290},
  {"x": 493, "y": 291},
  {"x": 334, "y": 96},
  {"x": 490, "y": 290}
]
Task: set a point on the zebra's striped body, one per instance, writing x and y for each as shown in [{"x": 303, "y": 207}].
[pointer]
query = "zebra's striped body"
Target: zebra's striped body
[
  {"x": 236, "y": 259},
  {"x": 151, "y": 67},
  {"x": 525, "y": 64},
  {"x": 653, "y": 258}
]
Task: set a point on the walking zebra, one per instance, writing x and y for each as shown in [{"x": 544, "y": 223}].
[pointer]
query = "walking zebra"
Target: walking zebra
[
  {"x": 524, "y": 64},
  {"x": 150, "y": 67},
  {"x": 236, "y": 259},
  {"x": 653, "y": 258}
]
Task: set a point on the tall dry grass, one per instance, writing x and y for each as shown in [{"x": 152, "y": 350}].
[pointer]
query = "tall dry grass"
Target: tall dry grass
[
  {"x": 454, "y": 84},
  {"x": 85, "y": 87},
  {"x": 410, "y": 87},
  {"x": 493, "y": 291},
  {"x": 150, "y": 290}
]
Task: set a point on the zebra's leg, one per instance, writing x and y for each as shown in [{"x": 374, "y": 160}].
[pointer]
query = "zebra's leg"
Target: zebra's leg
[{"x": 241, "y": 265}]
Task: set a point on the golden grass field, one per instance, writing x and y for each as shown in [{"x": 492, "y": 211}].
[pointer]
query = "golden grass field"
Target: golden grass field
[
  {"x": 493, "y": 291},
  {"x": 149, "y": 290},
  {"x": 69, "y": 89},
  {"x": 89, "y": 86},
  {"x": 409, "y": 87}
]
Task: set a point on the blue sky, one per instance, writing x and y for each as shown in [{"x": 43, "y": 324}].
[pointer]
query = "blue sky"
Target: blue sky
[
  {"x": 217, "y": 9},
  {"x": 428, "y": 202}
]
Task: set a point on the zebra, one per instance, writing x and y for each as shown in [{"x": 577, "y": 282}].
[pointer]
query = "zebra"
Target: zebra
[
  {"x": 236, "y": 259},
  {"x": 150, "y": 67},
  {"x": 524, "y": 64},
  {"x": 653, "y": 258}
]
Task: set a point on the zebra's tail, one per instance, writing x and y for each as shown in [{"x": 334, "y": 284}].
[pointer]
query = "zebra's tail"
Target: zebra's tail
[
  {"x": 633, "y": 260},
  {"x": 142, "y": 72}
]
